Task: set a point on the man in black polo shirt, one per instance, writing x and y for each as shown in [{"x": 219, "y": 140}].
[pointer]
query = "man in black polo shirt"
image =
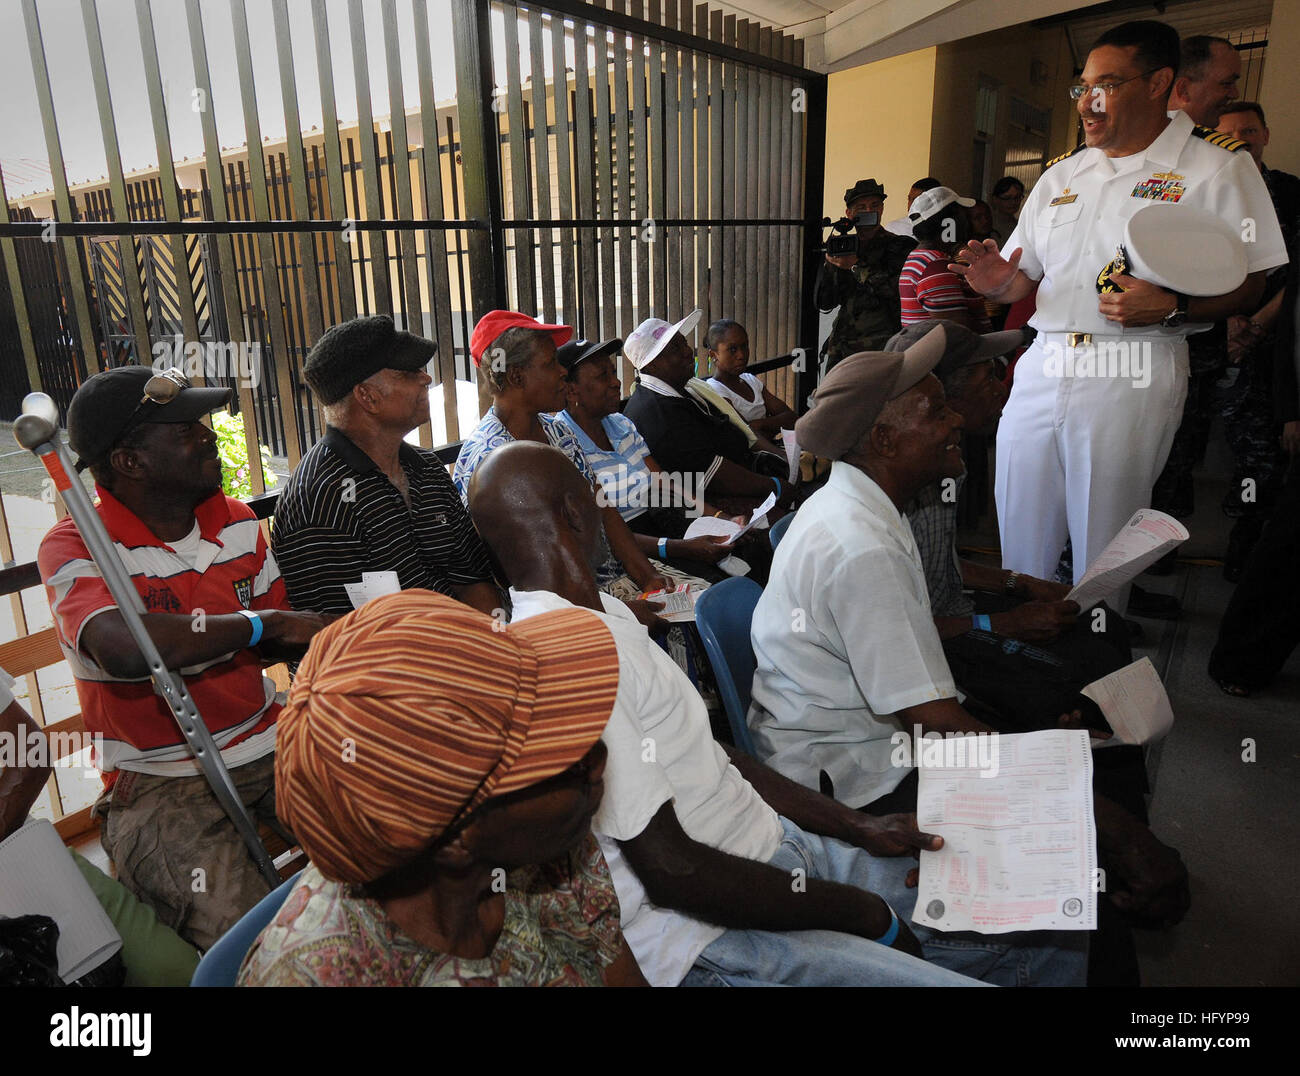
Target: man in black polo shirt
[
  {"x": 686, "y": 426},
  {"x": 363, "y": 500}
]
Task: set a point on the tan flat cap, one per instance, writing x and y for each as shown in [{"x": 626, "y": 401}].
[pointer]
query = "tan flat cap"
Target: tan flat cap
[{"x": 847, "y": 403}]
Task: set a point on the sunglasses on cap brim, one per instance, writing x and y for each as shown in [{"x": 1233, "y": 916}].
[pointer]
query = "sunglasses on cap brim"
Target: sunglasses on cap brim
[{"x": 160, "y": 390}]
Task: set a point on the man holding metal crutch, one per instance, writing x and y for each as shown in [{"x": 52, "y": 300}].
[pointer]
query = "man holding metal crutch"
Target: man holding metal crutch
[{"x": 165, "y": 576}]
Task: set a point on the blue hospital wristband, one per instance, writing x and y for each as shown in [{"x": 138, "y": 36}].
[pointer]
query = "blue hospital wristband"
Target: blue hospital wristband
[
  {"x": 258, "y": 626},
  {"x": 663, "y": 548},
  {"x": 982, "y": 622},
  {"x": 888, "y": 937}
]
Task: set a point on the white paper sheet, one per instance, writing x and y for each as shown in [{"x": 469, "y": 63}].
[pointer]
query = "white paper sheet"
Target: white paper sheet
[
  {"x": 38, "y": 877},
  {"x": 1134, "y": 703},
  {"x": 710, "y": 525},
  {"x": 1020, "y": 846},
  {"x": 1142, "y": 541},
  {"x": 373, "y": 585},
  {"x": 706, "y": 525}
]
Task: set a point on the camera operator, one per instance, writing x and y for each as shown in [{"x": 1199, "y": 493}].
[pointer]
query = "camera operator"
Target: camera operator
[{"x": 864, "y": 285}]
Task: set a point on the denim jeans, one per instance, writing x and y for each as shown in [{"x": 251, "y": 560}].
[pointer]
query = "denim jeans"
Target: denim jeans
[{"x": 828, "y": 958}]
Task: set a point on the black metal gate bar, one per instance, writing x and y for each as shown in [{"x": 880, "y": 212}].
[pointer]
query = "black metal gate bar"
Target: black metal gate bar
[
  {"x": 85, "y": 338},
  {"x": 19, "y": 299},
  {"x": 333, "y": 160},
  {"x": 542, "y": 158},
  {"x": 620, "y": 68},
  {"x": 307, "y": 253},
  {"x": 564, "y": 169},
  {"x": 218, "y": 211},
  {"x": 435, "y": 242},
  {"x": 641, "y": 163},
  {"x": 515, "y": 155},
  {"x": 168, "y": 189},
  {"x": 702, "y": 161},
  {"x": 718, "y": 266},
  {"x": 480, "y": 168},
  {"x": 583, "y": 158},
  {"x": 273, "y": 309},
  {"x": 378, "y": 247},
  {"x": 116, "y": 182}
]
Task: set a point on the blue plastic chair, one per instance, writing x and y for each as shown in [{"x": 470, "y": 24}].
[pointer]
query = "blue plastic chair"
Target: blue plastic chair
[
  {"x": 777, "y": 530},
  {"x": 722, "y": 616},
  {"x": 220, "y": 964}
]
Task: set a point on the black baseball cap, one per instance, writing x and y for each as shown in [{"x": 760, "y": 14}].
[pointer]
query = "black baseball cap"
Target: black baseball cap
[
  {"x": 962, "y": 346},
  {"x": 347, "y": 354},
  {"x": 864, "y": 188},
  {"x": 109, "y": 405},
  {"x": 576, "y": 351}
]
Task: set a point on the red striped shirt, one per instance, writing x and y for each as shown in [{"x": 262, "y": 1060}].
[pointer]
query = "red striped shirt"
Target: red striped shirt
[
  {"x": 235, "y": 570},
  {"x": 928, "y": 288}
]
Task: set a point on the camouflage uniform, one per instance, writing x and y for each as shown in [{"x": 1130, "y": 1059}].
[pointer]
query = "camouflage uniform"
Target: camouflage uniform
[
  {"x": 867, "y": 295},
  {"x": 1248, "y": 419},
  {"x": 1240, "y": 393},
  {"x": 1260, "y": 628}
]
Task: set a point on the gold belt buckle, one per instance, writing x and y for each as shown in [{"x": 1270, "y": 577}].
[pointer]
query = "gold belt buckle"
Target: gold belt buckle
[{"x": 1078, "y": 339}]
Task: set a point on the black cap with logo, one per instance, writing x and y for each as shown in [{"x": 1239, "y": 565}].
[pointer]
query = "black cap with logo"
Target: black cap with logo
[{"x": 576, "y": 351}]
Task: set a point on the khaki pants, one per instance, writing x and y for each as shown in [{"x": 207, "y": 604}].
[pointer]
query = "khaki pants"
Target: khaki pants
[{"x": 178, "y": 852}]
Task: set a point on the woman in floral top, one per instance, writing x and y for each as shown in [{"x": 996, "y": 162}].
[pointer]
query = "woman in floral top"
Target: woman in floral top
[{"x": 449, "y": 838}]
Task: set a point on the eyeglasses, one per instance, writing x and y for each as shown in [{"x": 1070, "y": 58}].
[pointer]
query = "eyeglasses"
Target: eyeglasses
[{"x": 1108, "y": 88}]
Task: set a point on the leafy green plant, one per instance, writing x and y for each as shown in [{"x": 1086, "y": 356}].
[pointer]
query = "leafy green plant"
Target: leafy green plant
[{"x": 233, "y": 449}]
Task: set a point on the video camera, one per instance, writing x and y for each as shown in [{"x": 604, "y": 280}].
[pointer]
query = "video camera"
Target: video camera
[{"x": 844, "y": 239}]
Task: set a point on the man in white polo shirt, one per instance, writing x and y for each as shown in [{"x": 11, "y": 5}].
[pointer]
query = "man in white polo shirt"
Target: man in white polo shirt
[{"x": 1078, "y": 453}]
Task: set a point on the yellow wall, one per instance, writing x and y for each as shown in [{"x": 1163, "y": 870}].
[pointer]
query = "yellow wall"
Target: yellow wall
[
  {"x": 913, "y": 115},
  {"x": 878, "y": 125},
  {"x": 1277, "y": 94},
  {"x": 1006, "y": 56}
]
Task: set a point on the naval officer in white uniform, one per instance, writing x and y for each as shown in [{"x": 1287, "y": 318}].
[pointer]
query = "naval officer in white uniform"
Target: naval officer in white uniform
[{"x": 1084, "y": 434}]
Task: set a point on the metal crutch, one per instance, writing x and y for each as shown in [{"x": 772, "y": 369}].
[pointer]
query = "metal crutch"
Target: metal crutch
[{"x": 37, "y": 429}]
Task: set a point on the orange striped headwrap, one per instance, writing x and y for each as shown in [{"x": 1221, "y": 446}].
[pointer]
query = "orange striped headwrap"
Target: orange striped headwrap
[{"x": 411, "y": 712}]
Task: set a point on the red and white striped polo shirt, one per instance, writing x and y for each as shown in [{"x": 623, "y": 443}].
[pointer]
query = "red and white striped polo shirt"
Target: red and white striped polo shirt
[
  {"x": 233, "y": 570},
  {"x": 927, "y": 288}
]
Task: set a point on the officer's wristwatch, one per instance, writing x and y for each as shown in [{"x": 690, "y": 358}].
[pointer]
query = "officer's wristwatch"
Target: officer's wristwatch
[{"x": 1178, "y": 314}]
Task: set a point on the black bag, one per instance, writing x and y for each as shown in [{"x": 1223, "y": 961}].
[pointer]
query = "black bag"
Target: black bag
[
  {"x": 29, "y": 956},
  {"x": 29, "y": 951}
]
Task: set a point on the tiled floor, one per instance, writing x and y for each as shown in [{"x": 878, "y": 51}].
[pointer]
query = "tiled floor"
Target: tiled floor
[{"x": 1234, "y": 821}]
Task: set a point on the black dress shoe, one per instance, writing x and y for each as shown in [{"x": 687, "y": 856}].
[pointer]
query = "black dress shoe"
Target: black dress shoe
[{"x": 1153, "y": 606}]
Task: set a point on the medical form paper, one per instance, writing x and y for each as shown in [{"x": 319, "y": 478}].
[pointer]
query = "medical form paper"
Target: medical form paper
[{"x": 1019, "y": 845}]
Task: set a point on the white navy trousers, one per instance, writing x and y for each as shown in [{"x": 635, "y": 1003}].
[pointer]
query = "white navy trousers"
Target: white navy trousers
[{"x": 1081, "y": 443}]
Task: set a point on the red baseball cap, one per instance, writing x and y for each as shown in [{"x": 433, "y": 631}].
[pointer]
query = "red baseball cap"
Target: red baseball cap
[{"x": 494, "y": 323}]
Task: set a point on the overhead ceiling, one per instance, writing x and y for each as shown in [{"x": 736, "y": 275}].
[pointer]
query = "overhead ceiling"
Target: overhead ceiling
[
  {"x": 846, "y": 33},
  {"x": 1189, "y": 17}
]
